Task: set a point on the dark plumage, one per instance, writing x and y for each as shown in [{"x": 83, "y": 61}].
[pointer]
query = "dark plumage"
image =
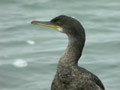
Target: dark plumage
[{"x": 69, "y": 75}]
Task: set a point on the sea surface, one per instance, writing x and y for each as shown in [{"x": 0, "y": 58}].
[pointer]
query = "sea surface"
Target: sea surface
[{"x": 29, "y": 54}]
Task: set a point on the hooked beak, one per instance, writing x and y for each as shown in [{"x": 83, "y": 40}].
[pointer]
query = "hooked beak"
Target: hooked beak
[{"x": 47, "y": 24}]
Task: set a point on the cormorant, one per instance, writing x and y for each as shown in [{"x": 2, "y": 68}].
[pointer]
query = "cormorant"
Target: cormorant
[{"x": 69, "y": 75}]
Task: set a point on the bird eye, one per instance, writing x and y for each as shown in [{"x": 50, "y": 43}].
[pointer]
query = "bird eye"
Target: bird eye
[{"x": 59, "y": 23}]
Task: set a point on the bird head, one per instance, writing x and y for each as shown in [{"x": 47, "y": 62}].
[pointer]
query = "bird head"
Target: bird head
[{"x": 62, "y": 23}]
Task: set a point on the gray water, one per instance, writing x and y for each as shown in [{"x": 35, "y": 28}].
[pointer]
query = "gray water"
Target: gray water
[{"x": 29, "y": 54}]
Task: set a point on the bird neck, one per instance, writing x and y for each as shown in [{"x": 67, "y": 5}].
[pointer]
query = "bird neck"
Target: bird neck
[{"x": 73, "y": 51}]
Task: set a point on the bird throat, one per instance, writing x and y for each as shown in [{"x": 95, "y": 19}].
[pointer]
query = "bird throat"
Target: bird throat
[
  {"x": 73, "y": 51},
  {"x": 69, "y": 60}
]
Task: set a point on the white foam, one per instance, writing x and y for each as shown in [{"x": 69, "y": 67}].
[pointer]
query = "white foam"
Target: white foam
[
  {"x": 60, "y": 29},
  {"x": 20, "y": 63},
  {"x": 73, "y": 17},
  {"x": 30, "y": 42}
]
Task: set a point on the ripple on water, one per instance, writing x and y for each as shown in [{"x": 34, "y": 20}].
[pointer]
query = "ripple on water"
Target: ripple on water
[
  {"x": 30, "y": 42},
  {"x": 20, "y": 63}
]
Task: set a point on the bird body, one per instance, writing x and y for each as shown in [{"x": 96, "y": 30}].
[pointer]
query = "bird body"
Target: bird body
[
  {"x": 76, "y": 79},
  {"x": 69, "y": 75}
]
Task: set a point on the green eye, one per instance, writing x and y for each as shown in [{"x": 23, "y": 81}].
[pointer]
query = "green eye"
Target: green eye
[{"x": 58, "y": 23}]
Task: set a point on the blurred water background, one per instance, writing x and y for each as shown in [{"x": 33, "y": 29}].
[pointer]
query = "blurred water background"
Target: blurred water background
[{"x": 29, "y": 54}]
